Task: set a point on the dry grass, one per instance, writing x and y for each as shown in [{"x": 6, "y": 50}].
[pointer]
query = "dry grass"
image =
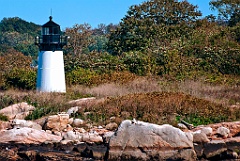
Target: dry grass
[
  {"x": 151, "y": 99},
  {"x": 161, "y": 101},
  {"x": 221, "y": 94}
]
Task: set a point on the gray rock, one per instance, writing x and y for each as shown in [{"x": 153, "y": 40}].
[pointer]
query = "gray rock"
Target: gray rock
[
  {"x": 143, "y": 141},
  {"x": 207, "y": 130},
  {"x": 200, "y": 138},
  {"x": 78, "y": 122},
  {"x": 223, "y": 131}
]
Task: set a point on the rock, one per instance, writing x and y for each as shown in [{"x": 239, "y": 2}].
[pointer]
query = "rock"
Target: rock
[
  {"x": 143, "y": 141},
  {"x": 98, "y": 151},
  {"x": 68, "y": 128},
  {"x": 111, "y": 126},
  {"x": 8, "y": 153},
  {"x": 41, "y": 121},
  {"x": 198, "y": 148},
  {"x": 16, "y": 123},
  {"x": 214, "y": 148},
  {"x": 4, "y": 125},
  {"x": 57, "y": 122},
  {"x": 207, "y": 130},
  {"x": 70, "y": 135},
  {"x": 91, "y": 138},
  {"x": 235, "y": 155},
  {"x": 70, "y": 121},
  {"x": 28, "y": 154},
  {"x": 73, "y": 110},
  {"x": 17, "y": 111},
  {"x": 49, "y": 132},
  {"x": 223, "y": 131},
  {"x": 78, "y": 122},
  {"x": 27, "y": 135},
  {"x": 200, "y": 138},
  {"x": 233, "y": 143},
  {"x": 234, "y": 128},
  {"x": 106, "y": 137},
  {"x": 182, "y": 126},
  {"x": 81, "y": 147},
  {"x": 80, "y": 130}
]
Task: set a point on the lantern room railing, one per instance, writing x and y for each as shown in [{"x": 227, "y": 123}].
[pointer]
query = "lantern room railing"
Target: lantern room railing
[{"x": 51, "y": 42}]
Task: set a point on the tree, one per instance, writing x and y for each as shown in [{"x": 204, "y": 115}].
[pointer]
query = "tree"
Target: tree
[
  {"x": 229, "y": 9},
  {"x": 153, "y": 23},
  {"x": 80, "y": 38},
  {"x": 16, "y": 24}
]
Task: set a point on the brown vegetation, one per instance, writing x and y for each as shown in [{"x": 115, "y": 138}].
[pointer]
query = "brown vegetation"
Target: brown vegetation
[{"x": 155, "y": 100}]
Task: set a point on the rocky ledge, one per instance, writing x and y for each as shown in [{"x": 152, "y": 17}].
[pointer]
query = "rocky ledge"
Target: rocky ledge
[{"x": 60, "y": 137}]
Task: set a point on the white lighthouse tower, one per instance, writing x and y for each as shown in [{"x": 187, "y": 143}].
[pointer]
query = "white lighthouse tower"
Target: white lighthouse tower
[{"x": 50, "y": 75}]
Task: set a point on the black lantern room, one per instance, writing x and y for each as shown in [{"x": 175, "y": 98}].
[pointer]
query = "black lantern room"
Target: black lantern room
[{"x": 51, "y": 39}]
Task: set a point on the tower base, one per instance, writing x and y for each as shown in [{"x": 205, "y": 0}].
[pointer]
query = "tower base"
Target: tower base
[{"x": 51, "y": 75}]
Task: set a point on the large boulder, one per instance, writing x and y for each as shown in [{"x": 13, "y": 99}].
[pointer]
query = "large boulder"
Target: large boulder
[
  {"x": 136, "y": 140},
  {"x": 27, "y": 135},
  {"x": 17, "y": 111},
  {"x": 57, "y": 122}
]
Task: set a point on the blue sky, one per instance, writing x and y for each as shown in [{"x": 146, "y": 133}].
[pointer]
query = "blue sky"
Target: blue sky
[{"x": 69, "y": 12}]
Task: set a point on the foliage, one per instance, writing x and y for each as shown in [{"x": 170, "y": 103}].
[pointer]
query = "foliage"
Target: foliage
[
  {"x": 100, "y": 44},
  {"x": 18, "y": 25},
  {"x": 14, "y": 60},
  {"x": 98, "y": 62},
  {"x": 153, "y": 23},
  {"x": 3, "y": 117},
  {"x": 80, "y": 39},
  {"x": 12, "y": 65},
  {"x": 18, "y": 34},
  {"x": 80, "y": 76},
  {"x": 21, "y": 78},
  {"x": 138, "y": 63},
  {"x": 229, "y": 9}
]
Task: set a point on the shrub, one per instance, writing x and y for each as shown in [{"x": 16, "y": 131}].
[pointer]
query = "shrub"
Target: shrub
[
  {"x": 80, "y": 76},
  {"x": 137, "y": 62},
  {"x": 21, "y": 78}
]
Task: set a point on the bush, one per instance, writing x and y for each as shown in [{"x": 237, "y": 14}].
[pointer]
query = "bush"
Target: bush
[
  {"x": 98, "y": 62},
  {"x": 80, "y": 76},
  {"x": 21, "y": 78},
  {"x": 137, "y": 62}
]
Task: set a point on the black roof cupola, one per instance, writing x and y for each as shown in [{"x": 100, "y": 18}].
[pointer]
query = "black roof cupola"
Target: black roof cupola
[{"x": 51, "y": 38}]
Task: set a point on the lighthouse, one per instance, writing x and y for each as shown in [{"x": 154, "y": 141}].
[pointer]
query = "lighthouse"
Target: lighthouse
[{"x": 50, "y": 74}]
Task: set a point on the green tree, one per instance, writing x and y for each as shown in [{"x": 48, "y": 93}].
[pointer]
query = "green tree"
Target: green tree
[
  {"x": 229, "y": 9},
  {"x": 151, "y": 24},
  {"x": 16, "y": 24},
  {"x": 99, "y": 45}
]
